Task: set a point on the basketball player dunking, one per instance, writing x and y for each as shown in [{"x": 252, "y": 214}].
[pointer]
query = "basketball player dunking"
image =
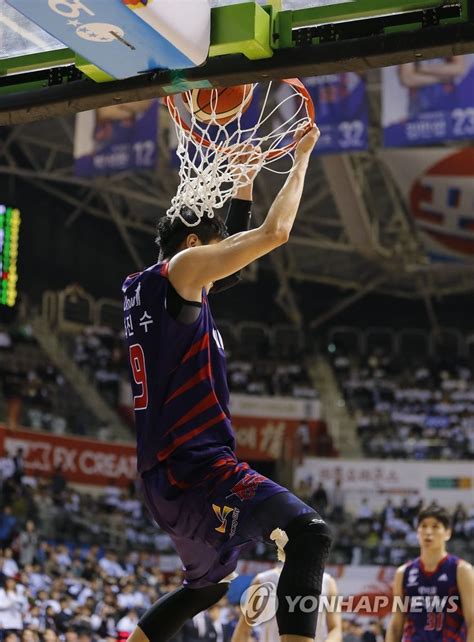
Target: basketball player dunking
[
  {"x": 434, "y": 576},
  {"x": 212, "y": 506}
]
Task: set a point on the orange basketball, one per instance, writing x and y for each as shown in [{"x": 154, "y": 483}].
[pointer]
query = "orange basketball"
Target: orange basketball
[{"x": 218, "y": 106}]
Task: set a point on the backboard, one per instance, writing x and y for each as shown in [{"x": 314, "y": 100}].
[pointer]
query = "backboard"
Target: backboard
[{"x": 42, "y": 75}]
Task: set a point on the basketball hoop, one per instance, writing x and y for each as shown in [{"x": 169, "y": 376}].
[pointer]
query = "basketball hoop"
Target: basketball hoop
[{"x": 215, "y": 159}]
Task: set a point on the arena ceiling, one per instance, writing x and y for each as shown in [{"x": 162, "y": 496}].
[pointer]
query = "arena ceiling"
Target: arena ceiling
[{"x": 352, "y": 232}]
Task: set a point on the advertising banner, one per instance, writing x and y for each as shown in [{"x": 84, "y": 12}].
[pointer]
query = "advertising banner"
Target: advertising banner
[
  {"x": 438, "y": 188},
  {"x": 116, "y": 39},
  {"x": 380, "y": 479},
  {"x": 83, "y": 461},
  {"x": 340, "y": 102},
  {"x": 117, "y": 138},
  {"x": 428, "y": 101}
]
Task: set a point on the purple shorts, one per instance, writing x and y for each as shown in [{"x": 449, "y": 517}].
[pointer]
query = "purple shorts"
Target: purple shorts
[{"x": 212, "y": 524}]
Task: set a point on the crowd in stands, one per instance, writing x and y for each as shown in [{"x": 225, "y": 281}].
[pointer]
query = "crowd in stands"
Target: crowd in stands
[
  {"x": 76, "y": 567},
  {"x": 410, "y": 408},
  {"x": 270, "y": 378},
  {"x": 385, "y": 536},
  {"x": 100, "y": 352},
  {"x": 33, "y": 391}
]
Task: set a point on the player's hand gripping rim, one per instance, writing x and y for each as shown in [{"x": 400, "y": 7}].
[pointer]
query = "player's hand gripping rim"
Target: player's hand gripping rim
[{"x": 306, "y": 138}]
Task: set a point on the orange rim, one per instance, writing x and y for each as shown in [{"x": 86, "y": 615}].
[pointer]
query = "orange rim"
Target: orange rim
[{"x": 270, "y": 154}]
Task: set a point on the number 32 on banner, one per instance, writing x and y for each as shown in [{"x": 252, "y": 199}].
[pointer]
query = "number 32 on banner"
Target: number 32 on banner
[{"x": 137, "y": 361}]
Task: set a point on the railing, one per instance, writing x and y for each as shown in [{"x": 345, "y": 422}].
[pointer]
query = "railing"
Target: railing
[
  {"x": 447, "y": 341},
  {"x": 73, "y": 309}
]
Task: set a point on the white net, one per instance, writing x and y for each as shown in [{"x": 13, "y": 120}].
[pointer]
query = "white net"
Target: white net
[{"x": 217, "y": 159}]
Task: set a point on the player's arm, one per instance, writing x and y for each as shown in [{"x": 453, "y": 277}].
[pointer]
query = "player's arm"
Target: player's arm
[
  {"x": 238, "y": 219},
  {"x": 243, "y": 631},
  {"x": 397, "y": 621},
  {"x": 413, "y": 78},
  {"x": 445, "y": 70},
  {"x": 465, "y": 582},
  {"x": 196, "y": 267},
  {"x": 333, "y": 620}
]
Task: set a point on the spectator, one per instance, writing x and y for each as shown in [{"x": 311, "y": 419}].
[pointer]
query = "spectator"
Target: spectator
[
  {"x": 126, "y": 624},
  {"x": 365, "y": 512},
  {"x": 337, "y": 501},
  {"x": 319, "y": 499},
  {"x": 110, "y": 565},
  {"x": 13, "y": 382},
  {"x": 304, "y": 438},
  {"x": 7, "y": 467},
  {"x": 12, "y": 604},
  {"x": 8, "y": 524},
  {"x": 19, "y": 463},
  {"x": 218, "y": 631},
  {"x": 64, "y": 616},
  {"x": 9, "y": 566},
  {"x": 58, "y": 484}
]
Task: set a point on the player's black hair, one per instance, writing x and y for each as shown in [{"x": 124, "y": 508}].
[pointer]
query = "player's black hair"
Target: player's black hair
[
  {"x": 173, "y": 232},
  {"x": 436, "y": 512}
]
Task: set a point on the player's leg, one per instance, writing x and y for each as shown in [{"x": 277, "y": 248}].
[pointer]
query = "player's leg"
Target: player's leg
[
  {"x": 306, "y": 553},
  {"x": 304, "y": 539},
  {"x": 166, "y": 617}
]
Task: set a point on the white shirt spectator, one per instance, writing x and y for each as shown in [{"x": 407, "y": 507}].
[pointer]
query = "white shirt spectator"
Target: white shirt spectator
[
  {"x": 12, "y": 604},
  {"x": 126, "y": 600},
  {"x": 365, "y": 512},
  {"x": 38, "y": 582},
  {"x": 127, "y": 623},
  {"x": 111, "y": 567},
  {"x": 10, "y": 567},
  {"x": 54, "y": 604},
  {"x": 112, "y": 496},
  {"x": 7, "y": 467}
]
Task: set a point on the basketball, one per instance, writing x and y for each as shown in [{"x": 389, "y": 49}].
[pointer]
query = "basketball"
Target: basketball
[{"x": 219, "y": 106}]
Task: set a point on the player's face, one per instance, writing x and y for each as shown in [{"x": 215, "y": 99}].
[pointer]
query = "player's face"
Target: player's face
[{"x": 432, "y": 534}]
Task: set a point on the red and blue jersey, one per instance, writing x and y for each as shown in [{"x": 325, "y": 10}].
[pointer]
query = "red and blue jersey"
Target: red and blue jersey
[
  {"x": 179, "y": 383},
  {"x": 435, "y": 613}
]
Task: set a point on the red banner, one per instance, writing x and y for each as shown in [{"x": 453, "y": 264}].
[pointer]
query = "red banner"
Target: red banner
[
  {"x": 85, "y": 461},
  {"x": 259, "y": 438}
]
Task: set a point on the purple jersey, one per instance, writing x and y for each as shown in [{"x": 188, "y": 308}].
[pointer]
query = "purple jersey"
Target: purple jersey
[
  {"x": 179, "y": 383},
  {"x": 440, "y": 617},
  {"x": 192, "y": 483}
]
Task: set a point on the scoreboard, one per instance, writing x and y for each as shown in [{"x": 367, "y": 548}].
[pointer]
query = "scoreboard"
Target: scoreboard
[{"x": 9, "y": 235}]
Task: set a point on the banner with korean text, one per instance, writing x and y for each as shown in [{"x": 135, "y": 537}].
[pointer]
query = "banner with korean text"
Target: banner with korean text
[
  {"x": 117, "y": 138},
  {"x": 340, "y": 102},
  {"x": 380, "y": 479},
  {"x": 428, "y": 101}
]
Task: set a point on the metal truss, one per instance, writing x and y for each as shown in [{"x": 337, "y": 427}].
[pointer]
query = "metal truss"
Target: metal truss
[{"x": 323, "y": 247}]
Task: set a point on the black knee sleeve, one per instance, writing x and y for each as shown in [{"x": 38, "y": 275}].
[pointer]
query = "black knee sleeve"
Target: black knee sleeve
[
  {"x": 299, "y": 587},
  {"x": 165, "y": 618}
]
